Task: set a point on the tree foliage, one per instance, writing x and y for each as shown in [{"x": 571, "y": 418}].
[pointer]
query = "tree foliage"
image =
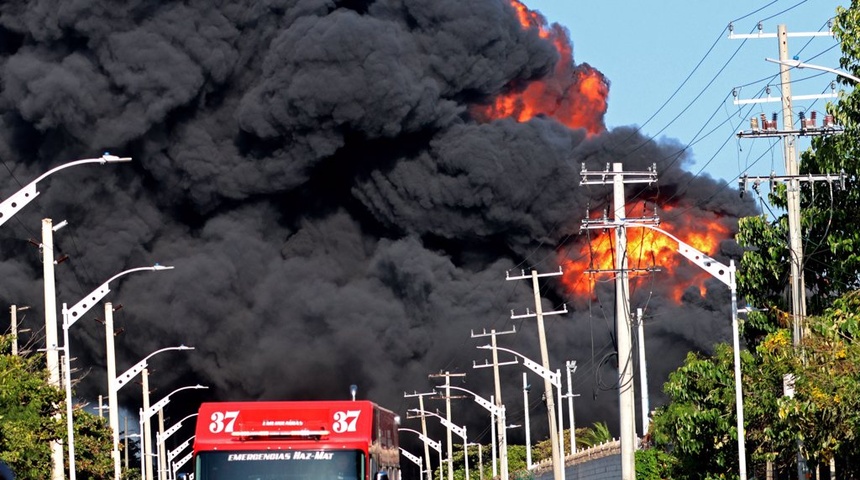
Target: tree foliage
[{"x": 32, "y": 418}]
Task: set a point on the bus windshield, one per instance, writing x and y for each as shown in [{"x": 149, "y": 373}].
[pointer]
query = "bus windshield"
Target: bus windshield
[{"x": 280, "y": 465}]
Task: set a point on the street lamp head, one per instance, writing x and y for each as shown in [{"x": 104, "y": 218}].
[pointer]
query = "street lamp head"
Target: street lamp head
[
  {"x": 108, "y": 158},
  {"x": 484, "y": 347},
  {"x": 158, "y": 266},
  {"x": 184, "y": 347},
  {"x": 198, "y": 386}
]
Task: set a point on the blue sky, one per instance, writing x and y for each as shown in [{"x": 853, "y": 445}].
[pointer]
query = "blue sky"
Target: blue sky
[{"x": 648, "y": 49}]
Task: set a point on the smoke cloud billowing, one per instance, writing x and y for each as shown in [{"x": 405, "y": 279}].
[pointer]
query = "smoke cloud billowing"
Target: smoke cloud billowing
[{"x": 335, "y": 214}]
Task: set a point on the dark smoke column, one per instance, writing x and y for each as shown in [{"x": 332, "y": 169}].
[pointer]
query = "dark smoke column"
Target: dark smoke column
[{"x": 336, "y": 210}]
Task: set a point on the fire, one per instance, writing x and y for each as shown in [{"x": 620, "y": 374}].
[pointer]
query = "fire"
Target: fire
[
  {"x": 574, "y": 95},
  {"x": 647, "y": 249}
]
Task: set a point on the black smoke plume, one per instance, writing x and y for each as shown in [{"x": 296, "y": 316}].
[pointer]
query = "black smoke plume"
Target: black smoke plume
[{"x": 334, "y": 213}]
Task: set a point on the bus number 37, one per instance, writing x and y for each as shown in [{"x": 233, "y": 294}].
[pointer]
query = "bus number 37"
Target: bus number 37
[
  {"x": 344, "y": 421},
  {"x": 223, "y": 421}
]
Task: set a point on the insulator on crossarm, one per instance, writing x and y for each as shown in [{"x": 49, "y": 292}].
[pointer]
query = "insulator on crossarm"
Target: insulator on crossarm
[
  {"x": 811, "y": 121},
  {"x": 742, "y": 185},
  {"x": 773, "y": 122},
  {"x": 754, "y": 124},
  {"x": 828, "y": 121},
  {"x": 802, "y": 117}
]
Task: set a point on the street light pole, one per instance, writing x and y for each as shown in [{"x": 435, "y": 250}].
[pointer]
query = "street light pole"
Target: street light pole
[
  {"x": 726, "y": 275},
  {"x": 8, "y": 208},
  {"x": 799, "y": 64},
  {"x": 70, "y": 316},
  {"x": 149, "y": 411},
  {"x": 495, "y": 413},
  {"x": 117, "y": 382},
  {"x": 21, "y": 198},
  {"x": 526, "y": 388},
  {"x": 552, "y": 379},
  {"x": 161, "y": 437},
  {"x": 175, "y": 453},
  {"x": 460, "y": 431},
  {"x": 430, "y": 442}
]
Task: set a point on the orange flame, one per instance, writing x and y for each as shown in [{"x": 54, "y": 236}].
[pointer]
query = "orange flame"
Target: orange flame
[
  {"x": 573, "y": 95},
  {"x": 647, "y": 250}
]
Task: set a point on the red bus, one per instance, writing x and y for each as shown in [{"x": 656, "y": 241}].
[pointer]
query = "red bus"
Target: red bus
[{"x": 296, "y": 440}]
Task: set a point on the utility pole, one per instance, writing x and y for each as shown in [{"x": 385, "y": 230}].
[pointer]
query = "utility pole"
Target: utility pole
[
  {"x": 643, "y": 371},
  {"x": 13, "y": 313},
  {"x": 571, "y": 369},
  {"x": 52, "y": 346},
  {"x": 501, "y": 428},
  {"x": 557, "y": 454},
  {"x": 448, "y": 376},
  {"x": 792, "y": 180},
  {"x": 626, "y": 391},
  {"x": 421, "y": 396}
]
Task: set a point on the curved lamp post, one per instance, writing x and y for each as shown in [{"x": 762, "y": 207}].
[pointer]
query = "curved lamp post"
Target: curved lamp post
[
  {"x": 175, "y": 453},
  {"x": 415, "y": 459},
  {"x": 495, "y": 412},
  {"x": 117, "y": 382},
  {"x": 799, "y": 64},
  {"x": 725, "y": 274},
  {"x": 8, "y": 208},
  {"x": 160, "y": 438},
  {"x": 428, "y": 441},
  {"x": 554, "y": 379},
  {"x": 146, "y": 414},
  {"x": 460, "y": 431},
  {"x": 70, "y": 316},
  {"x": 21, "y": 198}
]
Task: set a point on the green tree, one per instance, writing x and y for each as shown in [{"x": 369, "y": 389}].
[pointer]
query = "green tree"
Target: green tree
[{"x": 32, "y": 418}]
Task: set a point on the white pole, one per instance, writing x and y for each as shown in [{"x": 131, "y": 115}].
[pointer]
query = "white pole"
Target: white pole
[
  {"x": 528, "y": 429},
  {"x": 147, "y": 432},
  {"x": 70, "y": 425},
  {"x": 561, "y": 426},
  {"x": 162, "y": 465},
  {"x": 51, "y": 343},
  {"x": 739, "y": 400},
  {"x": 626, "y": 392},
  {"x": 557, "y": 455},
  {"x": 142, "y": 447},
  {"x": 643, "y": 371},
  {"x": 113, "y": 401},
  {"x": 571, "y": 367},
  {"x": 495, "y": 437},
  {"x": 466, "y": 452},
  {"x": 501, "y": 427}
]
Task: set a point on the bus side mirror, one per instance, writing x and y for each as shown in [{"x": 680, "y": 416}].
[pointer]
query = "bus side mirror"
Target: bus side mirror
[{"x": 382, "y": 475}]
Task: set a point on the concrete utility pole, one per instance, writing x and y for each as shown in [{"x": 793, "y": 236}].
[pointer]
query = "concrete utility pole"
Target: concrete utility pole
[
  {"x": 428, "y": 470},
  {"x": 571, "y": 369},
  {"x": 501, "y": 428},
  {"x": 557, "y": 454},
  {"x": 643, "y": 371},
  {"x": 792, "y": 180},
  {"x": 13, "y": 313},
  {"x": 52, "y": 346},
  {"x": 447, "y": 398},
  {"x": 146, "y": 445},
  {"x": 626, "y": 393}
]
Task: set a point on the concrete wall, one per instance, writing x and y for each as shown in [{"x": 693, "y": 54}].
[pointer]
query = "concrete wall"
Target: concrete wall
[{"x": 599, "y": 463}]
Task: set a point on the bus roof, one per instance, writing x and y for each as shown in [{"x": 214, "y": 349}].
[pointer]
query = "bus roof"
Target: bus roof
[{"x": 285, "y": 425}]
